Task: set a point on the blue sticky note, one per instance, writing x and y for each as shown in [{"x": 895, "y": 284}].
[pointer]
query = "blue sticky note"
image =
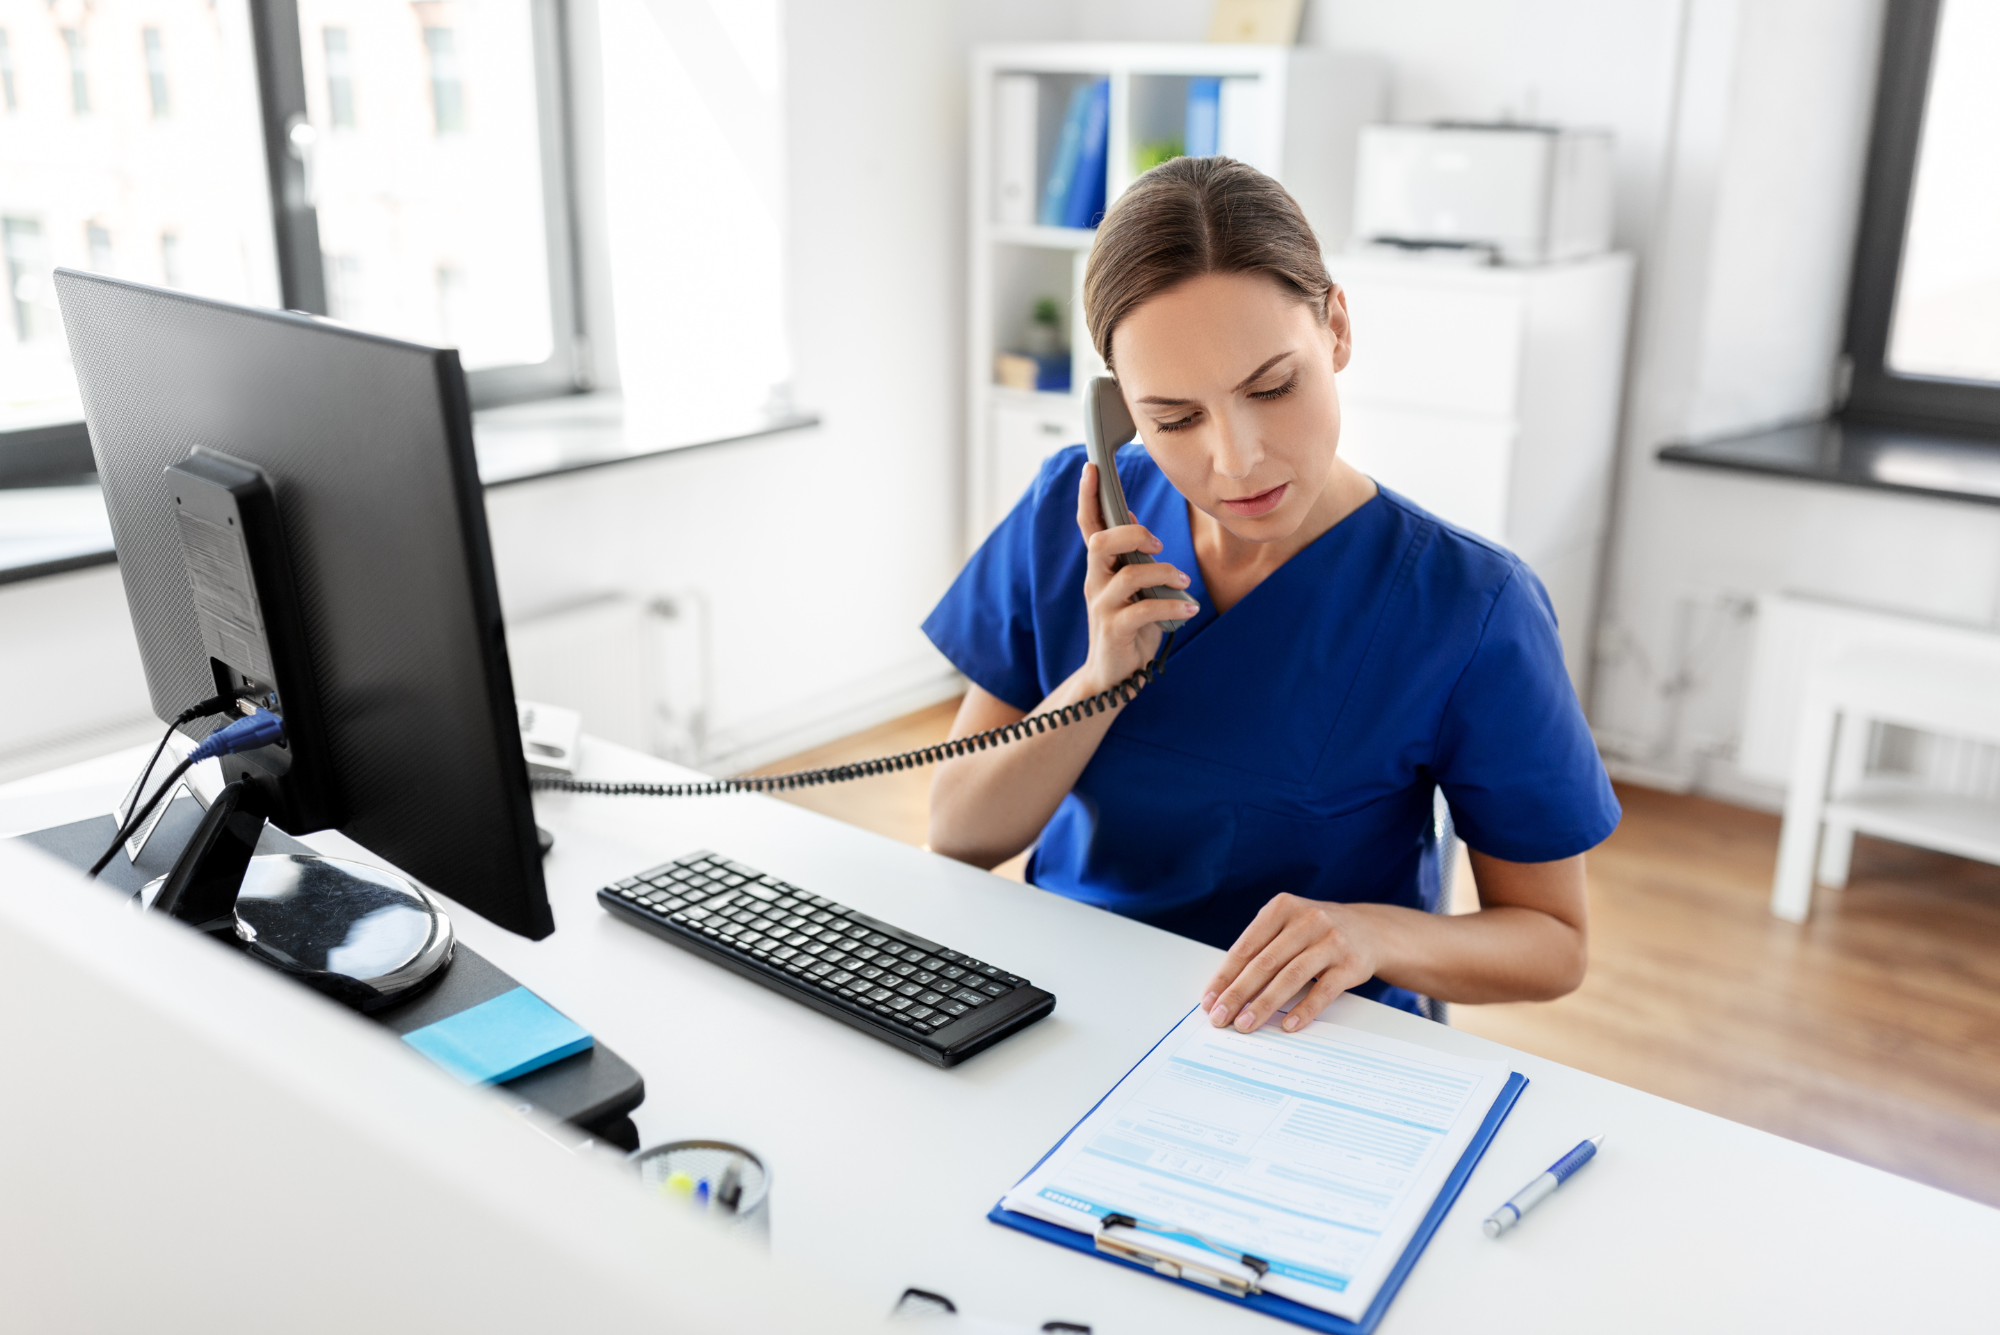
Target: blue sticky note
[{"x": 513, "y": 1034}]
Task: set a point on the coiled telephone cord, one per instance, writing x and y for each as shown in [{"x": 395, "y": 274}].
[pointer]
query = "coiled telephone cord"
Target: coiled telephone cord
[{"x": 1049, "y": 721}]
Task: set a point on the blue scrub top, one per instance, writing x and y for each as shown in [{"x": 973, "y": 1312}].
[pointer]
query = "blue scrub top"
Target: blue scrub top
[{"x": 1292, "y": 745}]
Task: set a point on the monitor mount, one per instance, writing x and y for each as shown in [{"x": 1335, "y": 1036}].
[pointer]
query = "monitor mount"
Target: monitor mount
[{"x": 362, "y": 935}]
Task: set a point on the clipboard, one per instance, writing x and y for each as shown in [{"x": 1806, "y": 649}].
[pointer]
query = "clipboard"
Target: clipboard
[{"x": 1270, "y": 1304}]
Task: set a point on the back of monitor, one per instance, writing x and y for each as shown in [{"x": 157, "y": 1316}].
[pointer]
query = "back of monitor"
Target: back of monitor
[{"x": 195, "y": 1144}]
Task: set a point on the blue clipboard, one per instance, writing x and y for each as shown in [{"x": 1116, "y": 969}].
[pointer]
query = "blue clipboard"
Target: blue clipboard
[{"x": 1270, "y": 1304}]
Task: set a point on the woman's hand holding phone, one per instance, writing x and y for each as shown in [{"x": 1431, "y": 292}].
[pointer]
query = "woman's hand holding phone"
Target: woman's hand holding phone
[{"x": 1124, "y": 626}]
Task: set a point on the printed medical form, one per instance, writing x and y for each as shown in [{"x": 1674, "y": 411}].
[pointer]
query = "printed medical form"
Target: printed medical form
[{"x": 1319, "y": 1152}]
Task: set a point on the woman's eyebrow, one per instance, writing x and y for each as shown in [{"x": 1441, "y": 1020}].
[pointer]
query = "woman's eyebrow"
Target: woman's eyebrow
[{"x": 1244, "y": 383}]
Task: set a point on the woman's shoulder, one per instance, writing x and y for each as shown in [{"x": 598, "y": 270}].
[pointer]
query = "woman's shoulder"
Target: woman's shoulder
[{"x": 1454, "y": 560}]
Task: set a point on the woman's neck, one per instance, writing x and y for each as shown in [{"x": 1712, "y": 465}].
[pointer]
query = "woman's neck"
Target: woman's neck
[{"x": 1232, "y": 566}]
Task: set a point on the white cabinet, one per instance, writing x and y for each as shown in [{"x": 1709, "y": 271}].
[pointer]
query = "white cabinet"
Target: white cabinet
[
  {"x": 1490, "y": 396},
  {"x": 1294, "y": 112},
  {"x": 1027, "y": 428}
]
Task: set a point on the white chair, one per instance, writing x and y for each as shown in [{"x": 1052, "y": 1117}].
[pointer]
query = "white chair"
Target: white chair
[{"x": 1832, "y": 796}]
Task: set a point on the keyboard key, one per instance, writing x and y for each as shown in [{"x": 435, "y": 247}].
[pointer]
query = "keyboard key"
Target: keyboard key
[
  {"x": 996, "y": 989},
  {"x": 929, "y": 998},
  {"x": 923, "y": 976},
  {"x": 953, "y": 1007},
  {"x": 879, "y": 994},
  {"x": 900, "y": 1004},
  {"x": 951, "y": 971},
  {"x": 904, "y": 970},
  {"x": 840, "y": 978},
  {"x": 969, "y": 997},
  {"x": 920, "y": 1012},
  {"x": 908, "y": 990}
]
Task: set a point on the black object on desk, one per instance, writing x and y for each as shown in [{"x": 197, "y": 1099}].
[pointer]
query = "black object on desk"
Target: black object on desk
[
  {"x": 595, "y": 1090},
  {"x": 883, "y": 980}
]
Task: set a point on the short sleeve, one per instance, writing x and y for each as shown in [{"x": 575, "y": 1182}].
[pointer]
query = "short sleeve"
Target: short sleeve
[
  {"x": 985, "y": 623},
  {"x": 1514, "y": 756}
]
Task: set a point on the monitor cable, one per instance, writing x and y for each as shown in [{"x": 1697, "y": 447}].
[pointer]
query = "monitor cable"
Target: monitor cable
[
  {"x": 262, "y": 728},
  {"x": 1019, "y": 730}
]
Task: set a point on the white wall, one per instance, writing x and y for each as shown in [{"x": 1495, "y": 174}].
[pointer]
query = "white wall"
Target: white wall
[{"x": 818, "y": 552}]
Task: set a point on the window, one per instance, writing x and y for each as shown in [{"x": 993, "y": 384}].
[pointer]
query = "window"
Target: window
[
  {"x": 1924, "y": 318},
  {"x": 79, "y": 74},
  {"x": 71, "y": 187},
  {"x": 439, "y": 212},
  {"x": 447, "y": 92},
  {"x": 32, "y": 298},
  {"x": 442, "y": 215},
  {"x": 339, "y": 80},
  {"x": 170, "y": 259},
  {"x": 156, "y": 71},
  {"x": 344, "y": 293}
]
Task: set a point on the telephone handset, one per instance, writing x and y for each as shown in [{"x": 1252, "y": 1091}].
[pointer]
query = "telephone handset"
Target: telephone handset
[{"x": 1107, "y": 424}]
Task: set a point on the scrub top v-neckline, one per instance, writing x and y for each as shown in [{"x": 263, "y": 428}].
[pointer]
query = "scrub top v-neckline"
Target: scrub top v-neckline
[{"x": 1177, "y": 539}]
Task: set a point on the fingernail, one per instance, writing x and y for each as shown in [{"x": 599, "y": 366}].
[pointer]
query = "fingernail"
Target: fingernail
[
  {"x": 1208, "y": 1002},
  {"x": 1219, "y": 1016},
  {"x": 1181, "y": 580},
  {"x": 1246, "y": 1021},
  {"x": 1191, "y": 608},
  {"x": 1291, "y": 1023}
]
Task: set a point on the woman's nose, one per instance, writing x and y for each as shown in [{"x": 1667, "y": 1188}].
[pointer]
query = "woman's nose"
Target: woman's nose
[{"x": 1236, "y": 452}]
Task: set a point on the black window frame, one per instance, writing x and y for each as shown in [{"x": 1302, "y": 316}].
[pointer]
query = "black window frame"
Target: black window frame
[
  {"x": 60, "y": 452},
  {"x": 1876, "y": 395}
]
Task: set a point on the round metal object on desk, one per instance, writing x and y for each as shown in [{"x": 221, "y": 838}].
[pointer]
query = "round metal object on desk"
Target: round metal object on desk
[{"x": 362, "y": 935}]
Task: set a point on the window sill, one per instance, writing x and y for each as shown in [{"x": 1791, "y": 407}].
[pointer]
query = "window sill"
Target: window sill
[
  {"x": 52, "y": 530},
  {"x": 550, "y": 437},
  {"x": 1852, "y": 454}
]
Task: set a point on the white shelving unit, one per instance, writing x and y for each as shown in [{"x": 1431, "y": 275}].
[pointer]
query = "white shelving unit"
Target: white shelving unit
[
  {"x": 1293, "y": 112},
  {"x": 1490, "y": 396}
]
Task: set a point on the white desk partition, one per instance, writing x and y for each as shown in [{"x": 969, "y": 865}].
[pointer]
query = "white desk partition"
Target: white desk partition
[{"x": 883, "y": 1167}]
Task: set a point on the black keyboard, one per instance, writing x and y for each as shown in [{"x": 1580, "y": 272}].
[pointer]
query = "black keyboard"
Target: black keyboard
[{"x": 905, "y": 990}]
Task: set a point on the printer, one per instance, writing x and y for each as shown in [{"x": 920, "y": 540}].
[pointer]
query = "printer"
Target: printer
[{"x": 1504, "y": 193}]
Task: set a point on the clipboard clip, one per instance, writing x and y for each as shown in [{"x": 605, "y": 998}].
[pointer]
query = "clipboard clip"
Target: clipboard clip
[{"x": 1175, "y": 1267}]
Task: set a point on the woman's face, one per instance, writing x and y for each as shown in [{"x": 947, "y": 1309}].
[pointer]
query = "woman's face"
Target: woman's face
[{"x": 1230, "y": 378}]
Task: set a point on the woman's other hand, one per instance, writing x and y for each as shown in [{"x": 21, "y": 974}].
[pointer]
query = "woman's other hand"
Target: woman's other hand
[
  {"x": 1290, "y": 942},
  {"x": 1124, "y": 627}
]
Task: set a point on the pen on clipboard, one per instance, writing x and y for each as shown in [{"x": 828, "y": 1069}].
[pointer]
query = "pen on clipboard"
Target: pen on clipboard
[{"x": 1528, "y": 1197}]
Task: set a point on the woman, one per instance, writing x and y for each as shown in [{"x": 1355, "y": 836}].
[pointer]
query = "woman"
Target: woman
[{"x": 1345, "y": 654}]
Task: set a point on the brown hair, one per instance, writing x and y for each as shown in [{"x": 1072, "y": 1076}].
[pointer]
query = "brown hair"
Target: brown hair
[{"x": 1195, "y": 216}]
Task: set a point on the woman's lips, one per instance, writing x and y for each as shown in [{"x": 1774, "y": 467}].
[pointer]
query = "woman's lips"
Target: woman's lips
[{"x": 1261, "y": 504}]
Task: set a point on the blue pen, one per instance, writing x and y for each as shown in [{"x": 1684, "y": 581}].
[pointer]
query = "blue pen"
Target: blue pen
[{"x": 1528, "y": 1197}]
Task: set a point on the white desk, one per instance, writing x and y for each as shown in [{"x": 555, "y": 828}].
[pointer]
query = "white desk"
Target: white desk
[{"x": 884, "y": 1168}]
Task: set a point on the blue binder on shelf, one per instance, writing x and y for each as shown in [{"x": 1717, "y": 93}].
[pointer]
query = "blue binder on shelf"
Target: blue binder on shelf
[{"x": 1270, "y": 1304}]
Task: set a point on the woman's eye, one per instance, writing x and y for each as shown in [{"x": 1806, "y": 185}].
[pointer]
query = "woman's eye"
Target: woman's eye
[
  {"x": 1277, "y": 393},
  {"x": 1178, "y": 424}
]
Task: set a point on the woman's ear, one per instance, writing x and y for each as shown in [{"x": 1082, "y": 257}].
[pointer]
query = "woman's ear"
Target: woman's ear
[{"x": 1339, "y": 326}]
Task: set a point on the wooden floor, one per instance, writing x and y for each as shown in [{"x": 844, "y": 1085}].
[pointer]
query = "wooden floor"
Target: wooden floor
[{"x": 1872, "y": 1031}]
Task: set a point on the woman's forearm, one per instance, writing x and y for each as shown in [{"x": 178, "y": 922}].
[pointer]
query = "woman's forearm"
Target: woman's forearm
[
  {"x": 1502, "y": 953},
  {"x": 988, "y": 806}
]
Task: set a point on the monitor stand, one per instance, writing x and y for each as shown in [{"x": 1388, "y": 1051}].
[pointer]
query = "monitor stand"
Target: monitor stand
[{"x": 364, "y": 936}]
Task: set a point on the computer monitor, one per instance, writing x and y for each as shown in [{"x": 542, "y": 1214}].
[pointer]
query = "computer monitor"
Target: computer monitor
[{"x": 407, "y": 740}]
